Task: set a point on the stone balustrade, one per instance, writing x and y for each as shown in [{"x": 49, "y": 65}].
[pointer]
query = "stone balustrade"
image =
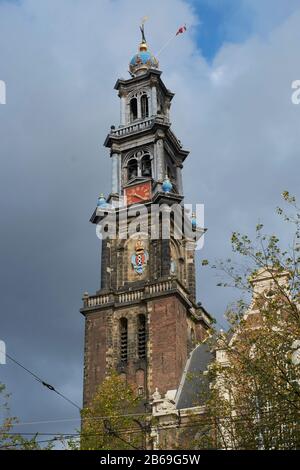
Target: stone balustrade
[
  {"x": 132, "y": 128},
  {"x": 95, "y": 300},
  {"x": 129, "y": 296},
  {"x": 137, "y": 294},
  {"x": 161, "y": 287},
  {"x": 133, "y": 295}
]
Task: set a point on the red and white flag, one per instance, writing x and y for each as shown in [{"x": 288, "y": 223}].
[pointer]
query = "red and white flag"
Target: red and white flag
[{"x": 181, "y": 30}]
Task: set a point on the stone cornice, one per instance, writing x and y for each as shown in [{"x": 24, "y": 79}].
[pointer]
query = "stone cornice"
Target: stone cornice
[
  {"x": 136, "y": 294},
  {"x": 152, "y": 75}
]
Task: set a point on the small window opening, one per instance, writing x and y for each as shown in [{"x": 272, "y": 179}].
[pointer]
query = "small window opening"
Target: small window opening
[
  {"x": 141, "y": 336},
  {"x": 146, "y": 166},
  {"x": 133, "y": 109},
  {"x": 132, "y": 168},
  {"x": 144, "y": 106},
  {"x": 123, "y": 340}
]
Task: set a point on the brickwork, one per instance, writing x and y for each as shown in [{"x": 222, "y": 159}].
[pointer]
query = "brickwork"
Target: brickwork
[
  {"x": 168, "y": 339},
  {"x": 95, "y": 353},
  {"x": 172, "y": 325}
]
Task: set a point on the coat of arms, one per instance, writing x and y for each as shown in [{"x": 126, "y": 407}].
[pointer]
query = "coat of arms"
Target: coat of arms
[{"x": 140, "y": 258}]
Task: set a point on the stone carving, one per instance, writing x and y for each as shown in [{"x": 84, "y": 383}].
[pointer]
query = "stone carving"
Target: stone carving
[
  {"x": 140, "y": 258},
  {"x": 164, "y": 406}
]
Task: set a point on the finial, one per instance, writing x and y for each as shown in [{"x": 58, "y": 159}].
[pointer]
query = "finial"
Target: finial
[
  {"x": 156, "y": 395},
  {"x": 167, "y": 185},
  {"x": 142, "y": 28},
  {"x": 102, "y": 201},
  {"x": 143, "y": 45},
  {"x": 143, "y": 60}
]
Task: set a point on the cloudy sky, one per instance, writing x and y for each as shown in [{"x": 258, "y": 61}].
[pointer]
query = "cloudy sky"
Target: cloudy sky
[{"x": 231, "y": 72}]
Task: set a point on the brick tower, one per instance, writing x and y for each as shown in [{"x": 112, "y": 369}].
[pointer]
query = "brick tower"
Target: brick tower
[{"x": 144, "y": 320}]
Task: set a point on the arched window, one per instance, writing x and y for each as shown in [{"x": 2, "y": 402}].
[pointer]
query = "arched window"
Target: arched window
[
  {"x": 141, "y": 336},
  {"x": 132, "y": 169},
  {"x": 133, "y": 109},
  {"x": 146, "y": 166},
  {"x": 123, "y": 340},
  {"x": 144, "y": 106}
]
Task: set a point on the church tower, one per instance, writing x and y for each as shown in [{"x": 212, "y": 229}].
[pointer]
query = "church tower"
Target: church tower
[{"x": 144, "y": 319}]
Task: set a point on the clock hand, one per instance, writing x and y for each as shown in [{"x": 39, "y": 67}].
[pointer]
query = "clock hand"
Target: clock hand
[{"x": 140, "y": 197}]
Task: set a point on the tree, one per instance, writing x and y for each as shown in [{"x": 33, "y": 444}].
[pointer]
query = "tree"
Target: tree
[
  {"x": 113, "y": 421},
  {"x": 254, "y": 398},
  {"x": 10, "y": 440}
]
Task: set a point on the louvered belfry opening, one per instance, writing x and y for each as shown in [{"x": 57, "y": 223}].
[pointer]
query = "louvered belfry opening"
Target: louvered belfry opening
[
  {"x": 146, "y": 166},
  {"x": 132, "y": 169},
  {"x": 142, "y": 345},
  {"x": 124, "y": 340}
]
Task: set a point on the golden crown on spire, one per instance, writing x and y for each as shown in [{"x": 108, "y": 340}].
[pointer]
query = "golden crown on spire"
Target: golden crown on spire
[{"x": 139, "y": 246}]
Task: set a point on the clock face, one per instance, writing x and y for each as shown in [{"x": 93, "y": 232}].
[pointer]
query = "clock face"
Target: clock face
[{"x": 138, "y": 194}]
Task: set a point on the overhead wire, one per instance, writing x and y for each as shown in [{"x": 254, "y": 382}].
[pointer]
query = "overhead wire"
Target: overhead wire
[{"x": 43, "y": 382}]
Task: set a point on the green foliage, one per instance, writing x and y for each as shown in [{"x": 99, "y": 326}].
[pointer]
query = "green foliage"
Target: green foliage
[
  {"x": 9, "y": 439},
  {"x": 107, "y": 424},
  {"x": 254, "y": 399}
]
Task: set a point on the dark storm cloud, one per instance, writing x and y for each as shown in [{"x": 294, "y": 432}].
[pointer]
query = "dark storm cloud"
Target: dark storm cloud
[{"x": 60, "y": 61}]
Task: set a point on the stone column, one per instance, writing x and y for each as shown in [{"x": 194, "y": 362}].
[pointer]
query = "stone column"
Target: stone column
[
  {"x": 119, "y": 174},
  {"x": 139, "y": 107},
  {"x": 154, "y": 100},
  {"x": 115, "y": 173},
  {"x": 168, "y": 107},
  {"x": 123, "y": 110},
  {"x": 179, "y": 178},
  {"x": 160, "y": 166}
]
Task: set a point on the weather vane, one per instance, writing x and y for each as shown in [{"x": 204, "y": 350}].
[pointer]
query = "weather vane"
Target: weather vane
[{"x": 142, "y": 28}]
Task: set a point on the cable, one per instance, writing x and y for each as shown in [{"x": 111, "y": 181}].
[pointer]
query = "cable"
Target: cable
[
  {"x": 79, "y": 419},
  {"x": 105, "y": 417},
  {"x": 45, "y": 384},
  {"x": 40, "y": 434},
  {"x": 194, "y": 422},
  {"x": 112, "y": 432},
  {"x": 59, "y": 437}
]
